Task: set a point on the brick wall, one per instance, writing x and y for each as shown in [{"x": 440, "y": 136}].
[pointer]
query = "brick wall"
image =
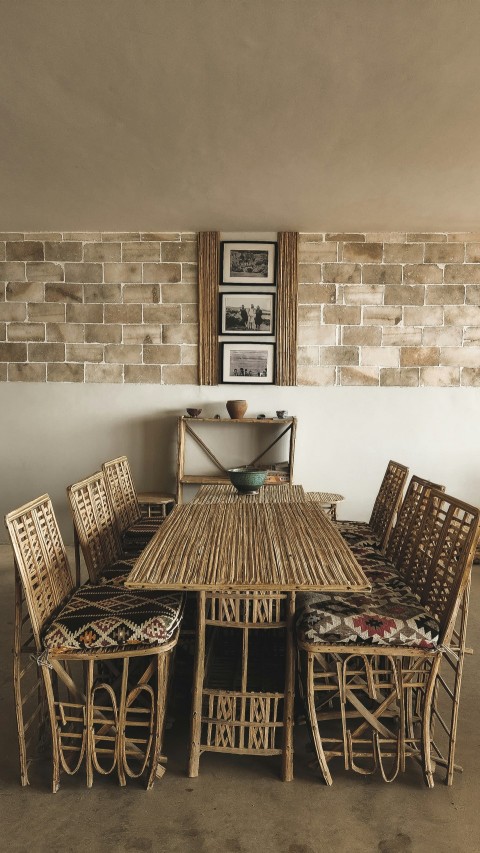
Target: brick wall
[{"x": 374, "y": 309}]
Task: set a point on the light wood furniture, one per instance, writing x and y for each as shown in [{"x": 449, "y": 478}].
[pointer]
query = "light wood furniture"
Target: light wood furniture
[
  {"x": 228, "y": 494},
  {"x": 155, "y": 504},
  {"x": 104, "y": 714},
  {"x": 246, "y": 560},
  {"x": 384, "y": 510},
  {"x": 274, "y": 429},
  {"x": 328, "y": 500}
]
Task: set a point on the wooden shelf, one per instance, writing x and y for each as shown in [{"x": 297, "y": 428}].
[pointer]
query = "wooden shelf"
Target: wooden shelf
[{"x": 238, "y": 420}]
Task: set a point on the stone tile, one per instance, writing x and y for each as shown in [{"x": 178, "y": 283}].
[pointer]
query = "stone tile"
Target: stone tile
[
  {"x": 179, "y": 293},
  {"x": 317, "y": 335},
  {"x": 25, "y": 250},
  {"x": 387, "y": 236},
  {"x": 163, "y": 273},
  {"x": 189, "y": 355},
  {"x": 123, "y": 314},
  {"x": 419, "y": 356},
  {"x": 83, "y": 272},
  {"x": 13, "y": 352},
  {"x": 46, "y": 352},
  {"x": 179, "y": 374},
  {"x": 145, "y": 251},
  {"x": 21, "y": 291},
  {"x": 123, "y": 354},
  {"x": 307, "y": 355},
  {"x": 3, "y": 372},
  {"x": 70, "y": 251},
  {"x": 316, "y": 253},
  {"x": 123, "y": 272},
  {"x": 98, "y": 252},
  {"x": 462, "y": 315},
  {"x": 422, "y": 274},
  {"x": 427, "y": 316},
  {"x": 13, "y": 311},
  {"x": 427, "y": 238},
  {"x": 65, "y": 373},
  {"x": 362, "y": 252},
  {"x": 179, "y": 252},
  {"x": 345, "y": 238},
  {"x": 146, "y": 334},
  {"x": 311, "y": 375},
  {"x": 189, "y": 313},
  {"x": 84, "y": 313},
  {"x": 442, "y": 336},
  {"x": 63, "y": 293},
  {"x": 12, "y": 271},
  {"x": 159, "y": 236},
  {"x": 2, "y": 291},
  {"x": 168, "y": 314},
  {"x": 444, "y": 253},
  {"x": 342, "y": 273},
  {"x": 472, "y": 294},
  {"x": 161, "y": 354},
  {"x": 345, "y": 315},
  {"x": 102, "y": 333},
  {"x": 120, "y": 236},
  {"x": 12, "y": 235},
  {"x": 462, "y": 274},
  {"x": 190, "y": 273},
  {"x": 43, "y": 235},
  {"x": 373, "y": 316},
  {"x": 104, "y": 373},
  {"x": 188, "y": 236},
  {"x": 2, "y": 251},
  {"x": 3, "y": 331},
  {"x": 143, "y": 373},
  {"x": 310, "y": 273},
  {"x": 310, "y": 237},
  {"x": 141, "y": 293},
  {"x": 464, "y": 236},
  {"x": 311, "y": 294},
  {"x": 445, "y": 294},
  {"x": 440, "y": 377},
  {"x": 84, "y": 352},
  {"x": 26, "y": 331},
  {"x": 83, "y": 236},
  {"x": 382, "y": 274},
  {"x": 472, "y": 253},
  {"x": 471, "y": 336},
  {"x": 362, "y": 336},
  {"x": 388, "y": 356},
  {"x": 363, "y": 294},
  {"x": 406, "y": 376},
  {"x": 403, "y": 294},
  {"x": 185, "y": 333},
  {"x": 338, "y": 355},
  {"x": 461, "y": 356},
  {"x": 359, "y": 376},
  {"x": 403, "y": 253},
  {"x": 102, "y": 292},
  {"x": 27, "y": 372},
  {"x": 309, "y": 315},
  {"x": 44, "y": 271},
  {"x": 67, "y": 332},
  {"x": 406, "y": 336},
  {"x": 471, "y": 376}
]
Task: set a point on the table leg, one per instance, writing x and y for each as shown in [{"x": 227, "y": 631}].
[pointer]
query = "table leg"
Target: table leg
[
  {"x": 287, "y": 756},
  {"x": 199, "y": 671}
]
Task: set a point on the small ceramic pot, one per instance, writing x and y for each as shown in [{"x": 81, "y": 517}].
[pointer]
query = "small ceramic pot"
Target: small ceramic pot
[
  {"x": 194, "y": 413},
  {"x": 236, "y": 408},
  {"x": 282, "y": 413}
]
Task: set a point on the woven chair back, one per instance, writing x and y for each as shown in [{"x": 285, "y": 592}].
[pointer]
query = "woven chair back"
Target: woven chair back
[
  {"x": 121, "y": 490},
  {"x": 388, "y": 500},
  {"x": 409, "y": 521},
  {"x": 94, "y": 522},
  {"x": 41, "y": 560}
]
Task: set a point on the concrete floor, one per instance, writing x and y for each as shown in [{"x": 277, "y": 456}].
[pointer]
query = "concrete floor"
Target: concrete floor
[{"x": 239, "y": 805}]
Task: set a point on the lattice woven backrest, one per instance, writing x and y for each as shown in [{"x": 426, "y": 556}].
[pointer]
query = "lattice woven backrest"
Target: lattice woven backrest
[
  {"x": 388, "y": 500},
  {"x": 409, "y": 520},
  {"x": 41, "y": 560},
  {"x": 121, "y": 490},
  {"x": 95, "y": 524}
]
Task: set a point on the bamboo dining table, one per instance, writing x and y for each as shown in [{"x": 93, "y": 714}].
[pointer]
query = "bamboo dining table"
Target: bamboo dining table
[{"x": 246, "y": 557}]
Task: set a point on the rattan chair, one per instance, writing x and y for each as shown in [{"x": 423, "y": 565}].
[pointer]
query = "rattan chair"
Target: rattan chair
[
  {"x": 377, "y": 530},
  {"x": 374, "y": 658},
  {"x": 105, "y": 709}
]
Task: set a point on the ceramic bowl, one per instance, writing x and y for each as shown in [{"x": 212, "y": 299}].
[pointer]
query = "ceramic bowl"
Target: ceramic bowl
[
  {"x": 247, "y": 480},
  {"x": 194, "y": 413}
]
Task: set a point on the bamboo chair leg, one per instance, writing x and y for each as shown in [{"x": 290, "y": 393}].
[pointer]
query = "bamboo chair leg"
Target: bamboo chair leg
[
  {"x": 312, "y": 715},
  {"x": 162, "y": 676},
  {"x": 428, "y": 767},
  {"x": 17, "y": 688},
  {"x": 287, "y": 755},
  {"x": 199, "y": 672},
  {"x": 122, "y": 724},
  {"x": 457, "y": 686},
  {"x": 48, "y": 681},
  {"x": 90, "y": 734}
]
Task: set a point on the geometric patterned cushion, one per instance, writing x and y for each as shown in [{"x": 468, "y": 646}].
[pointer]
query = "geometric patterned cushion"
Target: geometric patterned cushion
[
  {"x": 388, "y": 615},
  {"x": 357, "y": 532},
  {"x": 136, "y": 537},
  {"x": 111, "y": 618},
  {"x": 117, "y": 572}
]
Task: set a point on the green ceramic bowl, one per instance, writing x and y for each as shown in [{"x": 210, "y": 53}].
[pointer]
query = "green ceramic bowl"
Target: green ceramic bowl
[{"x": 247, "y": 480}]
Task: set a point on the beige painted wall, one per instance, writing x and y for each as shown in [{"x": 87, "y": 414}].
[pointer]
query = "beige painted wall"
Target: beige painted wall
[
  {"x": 52, "y": 435},
  {"x": 195, "y": 114}
]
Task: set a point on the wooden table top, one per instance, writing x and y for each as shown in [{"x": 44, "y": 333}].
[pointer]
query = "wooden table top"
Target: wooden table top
[
  {"x": 280, "y": 493},
  {"x": 247, "y": 546}
]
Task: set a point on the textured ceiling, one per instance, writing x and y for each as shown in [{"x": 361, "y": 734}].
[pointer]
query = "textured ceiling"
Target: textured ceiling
[{"x": 240, "y": 115}]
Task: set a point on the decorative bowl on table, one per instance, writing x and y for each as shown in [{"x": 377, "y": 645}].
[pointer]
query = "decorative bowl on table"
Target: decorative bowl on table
[{"x": 247, "y": 480}]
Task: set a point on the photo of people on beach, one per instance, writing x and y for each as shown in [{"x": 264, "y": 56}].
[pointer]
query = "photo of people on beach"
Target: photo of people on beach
[{"x": 247, "y": 313}]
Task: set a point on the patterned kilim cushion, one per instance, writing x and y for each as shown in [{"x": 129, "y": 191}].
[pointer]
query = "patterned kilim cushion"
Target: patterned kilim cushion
[
  {"x": 389, "y": 615},
  {"x": 357, "y": 531},
  {"x": 118, "y": 571},
  {"x": 137, "y": 537},
  {"x": 110, "y": 618}
]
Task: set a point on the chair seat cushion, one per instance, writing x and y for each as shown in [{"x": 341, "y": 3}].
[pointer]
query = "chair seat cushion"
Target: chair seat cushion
[
  {"x": 357, "y": 532},
  {"x": 389, "y": 615},
  {"x": 138, "y": 535},
  {"x": 109, "y": 618},
  {"x": 118, "y": 572}
]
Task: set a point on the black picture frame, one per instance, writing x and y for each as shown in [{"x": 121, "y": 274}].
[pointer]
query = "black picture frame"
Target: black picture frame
[
  {"x": 248, "y": 262},
  {"x": 236, "y": 309},
  {"x": 240, "y": 361}
]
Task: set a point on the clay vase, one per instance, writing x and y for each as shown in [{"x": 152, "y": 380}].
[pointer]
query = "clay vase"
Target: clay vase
[{"x": 236, "y": 408}]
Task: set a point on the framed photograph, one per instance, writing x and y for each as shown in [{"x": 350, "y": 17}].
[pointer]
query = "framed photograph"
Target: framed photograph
[
  {"x": 247, "y": 314},
  {"x": 248, "y": 364},
  {"x": 248, "y": 263}
]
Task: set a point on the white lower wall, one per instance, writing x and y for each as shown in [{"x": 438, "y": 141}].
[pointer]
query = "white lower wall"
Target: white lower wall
[{"x": 52, "y": 435}]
